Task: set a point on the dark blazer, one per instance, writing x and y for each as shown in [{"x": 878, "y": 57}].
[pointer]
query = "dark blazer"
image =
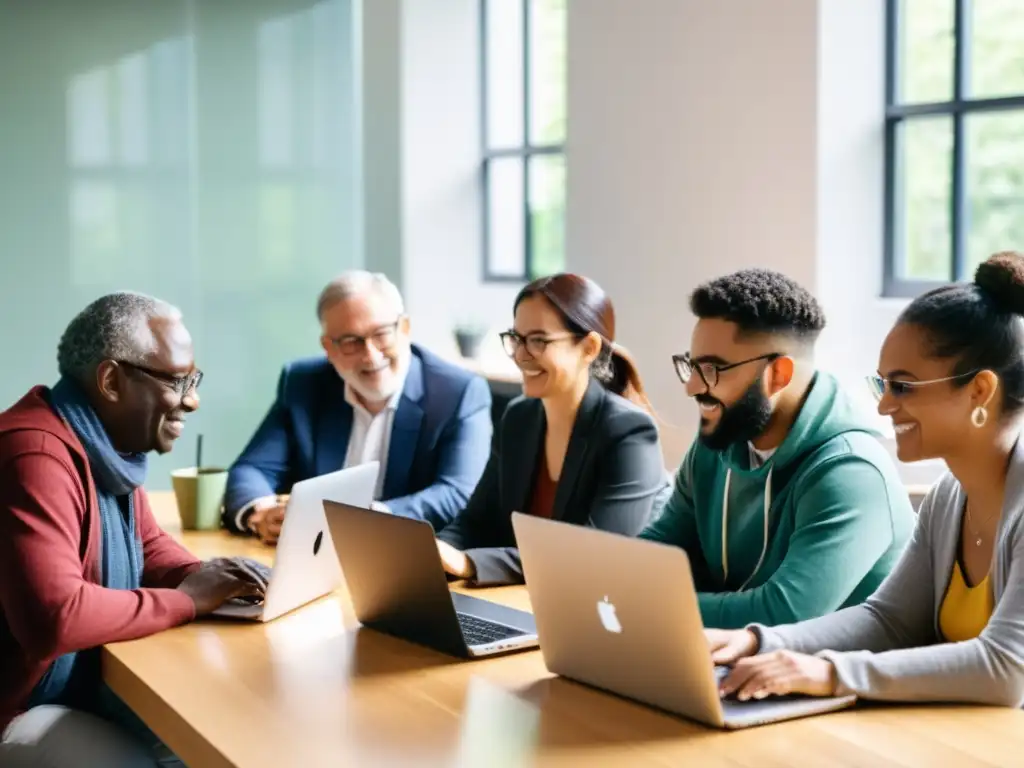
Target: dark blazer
[
  {"x": 440, "y": 438},
  {"x": 612, "y": 475}
]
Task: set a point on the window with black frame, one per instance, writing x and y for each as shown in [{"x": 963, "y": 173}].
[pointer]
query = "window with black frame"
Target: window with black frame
[
  {"x": 523, "y": 46},
  {"x": 954, "y": 138}
]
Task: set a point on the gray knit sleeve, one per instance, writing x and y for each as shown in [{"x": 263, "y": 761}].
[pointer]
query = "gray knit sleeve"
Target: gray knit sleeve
[{"x": 898, "y": 615}]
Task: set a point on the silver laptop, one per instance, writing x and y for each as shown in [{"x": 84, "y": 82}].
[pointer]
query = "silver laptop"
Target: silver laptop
[
  {"x": 621, "y": 614},
  {"x": 398, "y": 586},
  {"x": 305, "y": 566}
]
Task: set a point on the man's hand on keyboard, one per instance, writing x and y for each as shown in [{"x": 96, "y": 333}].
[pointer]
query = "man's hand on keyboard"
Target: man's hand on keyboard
[
  {"x": 220, "y": 580},
  {"x": 257, "y": 571}
]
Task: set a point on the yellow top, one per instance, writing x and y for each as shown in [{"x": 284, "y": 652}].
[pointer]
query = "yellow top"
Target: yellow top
[{"x": 965, "y": 610}]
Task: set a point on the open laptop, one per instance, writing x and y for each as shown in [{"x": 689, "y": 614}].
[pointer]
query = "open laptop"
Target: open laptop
[
  {"x": 398, "y": 586},
  {"x": 621, "y": 614},
  {"x": 305, "y": 566}
]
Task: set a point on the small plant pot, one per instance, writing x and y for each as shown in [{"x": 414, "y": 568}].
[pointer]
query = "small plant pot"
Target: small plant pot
[{"x": 469, "y": 343}]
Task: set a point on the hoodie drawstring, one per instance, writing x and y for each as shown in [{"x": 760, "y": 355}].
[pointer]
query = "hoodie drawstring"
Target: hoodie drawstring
[{"x": 725, "y": 526}]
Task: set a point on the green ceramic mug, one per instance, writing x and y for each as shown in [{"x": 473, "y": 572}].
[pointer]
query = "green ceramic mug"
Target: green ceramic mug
[{"x": 200, "y": 496}]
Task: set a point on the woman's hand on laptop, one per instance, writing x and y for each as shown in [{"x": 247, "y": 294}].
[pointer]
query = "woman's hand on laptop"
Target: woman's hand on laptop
[
  {"x": 455, "y": 562},
  {"x": 728, "y": 645},
  {"x": 780, "y": 673}
]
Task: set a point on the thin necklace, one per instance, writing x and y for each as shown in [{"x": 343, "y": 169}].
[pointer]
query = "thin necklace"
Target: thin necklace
[{"x": 970, "y": 524}]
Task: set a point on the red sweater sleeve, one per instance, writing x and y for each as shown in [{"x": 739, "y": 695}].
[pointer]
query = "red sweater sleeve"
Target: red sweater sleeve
[
  {"x": 47, "y": 602},
  {"x": 165, "y": 563}
]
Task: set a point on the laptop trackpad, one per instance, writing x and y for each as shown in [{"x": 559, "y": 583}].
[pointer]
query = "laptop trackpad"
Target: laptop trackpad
[
  {"x": 485, "y": 609},
  {"x": 740, "y": 714},
  {"x": 239, "y": 609}
]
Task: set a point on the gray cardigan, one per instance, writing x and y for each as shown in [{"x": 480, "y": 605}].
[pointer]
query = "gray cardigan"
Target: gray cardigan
[{"x": 890, "y": 648}]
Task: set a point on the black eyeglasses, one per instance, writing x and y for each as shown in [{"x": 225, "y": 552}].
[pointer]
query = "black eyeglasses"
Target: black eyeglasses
[
  {"x": 181, "y": 385},
  {"x": 382, "y": 338},
  {"x": 901, "y": 388},
  {"x": 709, "y": 371},
  {"x": 536, "y": 344}
]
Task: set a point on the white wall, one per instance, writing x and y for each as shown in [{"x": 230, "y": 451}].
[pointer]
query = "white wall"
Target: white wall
[
  {"x": 849, "y": 158},
  {"x": 708, "y": 137},
  {"x": 703, "y": 138},
  {"x": 851, "y": 74},
  {"x": 198, "y": 150},
  {"x": 379, "y": 151},
  {"x": 692, "y": 129},
  {"x": 441, "y": 190}
]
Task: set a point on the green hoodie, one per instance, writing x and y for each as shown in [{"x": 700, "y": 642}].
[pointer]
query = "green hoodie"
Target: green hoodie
[{"x": 839, "y": 518}]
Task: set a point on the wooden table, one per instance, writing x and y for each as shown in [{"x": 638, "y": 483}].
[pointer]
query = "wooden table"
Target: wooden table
[{"x": 312, "y": 689}]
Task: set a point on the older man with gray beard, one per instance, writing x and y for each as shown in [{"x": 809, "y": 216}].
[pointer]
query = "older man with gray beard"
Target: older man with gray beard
[{"x": 376, "y": 396}]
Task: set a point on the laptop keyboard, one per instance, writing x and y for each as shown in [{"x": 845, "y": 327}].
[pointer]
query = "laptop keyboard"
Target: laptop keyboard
[{"x": 477, "y": 631}]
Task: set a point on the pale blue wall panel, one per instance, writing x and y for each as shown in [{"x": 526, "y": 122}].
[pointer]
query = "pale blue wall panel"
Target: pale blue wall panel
[{"x": 199, "y": 150}]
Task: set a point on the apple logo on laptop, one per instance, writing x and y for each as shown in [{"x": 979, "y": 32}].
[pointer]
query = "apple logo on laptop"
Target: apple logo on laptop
[
  {"x": 609, "y": 619},
  {"x": 317, "y": 542}
]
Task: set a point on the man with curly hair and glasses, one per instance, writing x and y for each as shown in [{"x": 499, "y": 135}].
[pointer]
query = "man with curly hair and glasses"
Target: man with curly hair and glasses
[{"x": 787, "y": 504}]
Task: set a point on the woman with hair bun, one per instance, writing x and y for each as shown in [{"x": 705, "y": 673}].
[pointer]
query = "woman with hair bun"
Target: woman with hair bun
[
  {"x": 948, "y": 622},
  {"x": 579, "y": 445}
]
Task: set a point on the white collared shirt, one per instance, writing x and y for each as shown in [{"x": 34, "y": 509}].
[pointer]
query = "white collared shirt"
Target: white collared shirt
[
  {"x": 370, "y": 436},
  {"x": 369, "y": 439}
]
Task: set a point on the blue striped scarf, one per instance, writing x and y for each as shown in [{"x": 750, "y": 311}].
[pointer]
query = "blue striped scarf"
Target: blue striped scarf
[{"x": 116, "y": 477}]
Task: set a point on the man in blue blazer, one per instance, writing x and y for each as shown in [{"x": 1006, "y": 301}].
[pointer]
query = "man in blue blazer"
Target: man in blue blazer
[{"x": 376, "y": 396}]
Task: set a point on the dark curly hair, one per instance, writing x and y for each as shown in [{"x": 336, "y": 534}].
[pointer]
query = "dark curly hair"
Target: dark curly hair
[
  {"x": 760, "y": 301},
  {"x": 979, "y": 325}
]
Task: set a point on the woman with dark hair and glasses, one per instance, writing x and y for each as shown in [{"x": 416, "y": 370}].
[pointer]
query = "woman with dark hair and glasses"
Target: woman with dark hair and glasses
[
  {"x": 579, "y": 446},
  {"x": 948, "y": 622}
]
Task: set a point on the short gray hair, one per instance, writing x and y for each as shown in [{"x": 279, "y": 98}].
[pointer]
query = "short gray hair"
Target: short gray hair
[
  {"x": 111, "y": 328},
  {"x": 356, "y": 283}
]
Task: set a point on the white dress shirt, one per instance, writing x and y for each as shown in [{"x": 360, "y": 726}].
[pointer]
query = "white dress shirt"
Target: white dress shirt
[
  {"x": 369, "y": 439},
  {"x": 370, "y": 436}
]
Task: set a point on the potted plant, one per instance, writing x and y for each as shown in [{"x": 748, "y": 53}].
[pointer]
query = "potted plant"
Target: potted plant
[{"x": 469, "y": 337}]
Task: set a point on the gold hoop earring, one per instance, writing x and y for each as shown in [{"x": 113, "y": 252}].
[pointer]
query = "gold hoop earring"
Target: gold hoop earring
[{"x": 979, "y": 416}]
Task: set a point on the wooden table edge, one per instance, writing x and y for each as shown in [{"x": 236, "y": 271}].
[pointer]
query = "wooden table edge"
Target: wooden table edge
[{"x": 183, "y": 738}]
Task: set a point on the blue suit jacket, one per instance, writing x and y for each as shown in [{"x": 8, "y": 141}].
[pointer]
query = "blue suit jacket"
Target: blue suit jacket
[{"x": 440, "y": 438}]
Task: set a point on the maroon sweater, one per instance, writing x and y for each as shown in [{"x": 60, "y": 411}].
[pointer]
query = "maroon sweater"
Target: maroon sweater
[{"x": 51, "y": 598}]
